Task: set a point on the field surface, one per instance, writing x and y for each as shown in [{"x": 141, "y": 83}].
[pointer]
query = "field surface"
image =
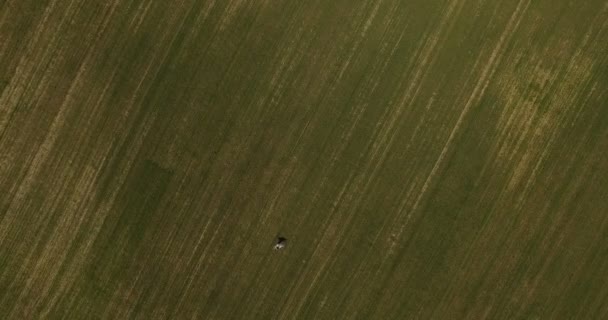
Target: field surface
[{"x": 425, "y": 159}]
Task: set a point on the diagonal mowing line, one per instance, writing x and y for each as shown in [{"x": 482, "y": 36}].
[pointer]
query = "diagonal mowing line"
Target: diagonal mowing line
[
  {"x": 478, "y": 92},
  {"x": 387, "y": 133}
]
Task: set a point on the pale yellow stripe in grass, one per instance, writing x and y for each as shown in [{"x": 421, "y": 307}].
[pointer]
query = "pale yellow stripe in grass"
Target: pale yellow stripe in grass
[
  {"x": 53, "y": 250},
  {"x": 565, "y": 105},
  {"x": 306, "y": 130},
  {"x": 542, "y": 137},
  {"x": 386, "y": 136},
  {"x": 545, "y": 134},
  {"x": 51, "y": 256},
  {"x": 332, "y": 228},
  {"x": 12, "y": 216},
  {"x": 477, "y": 93},
  {"x": 33, "y": 70},
  {"x": 285, "y": 178}
]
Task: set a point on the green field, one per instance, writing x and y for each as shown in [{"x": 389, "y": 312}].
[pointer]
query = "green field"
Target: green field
[{"x": 425, "y": 159}]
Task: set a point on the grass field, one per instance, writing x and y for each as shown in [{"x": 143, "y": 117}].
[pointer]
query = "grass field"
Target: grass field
[{"x": 442, "y": 159}]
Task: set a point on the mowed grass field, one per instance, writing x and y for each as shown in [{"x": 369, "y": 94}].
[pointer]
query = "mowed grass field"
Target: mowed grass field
[{"x": 425, "y": 159}]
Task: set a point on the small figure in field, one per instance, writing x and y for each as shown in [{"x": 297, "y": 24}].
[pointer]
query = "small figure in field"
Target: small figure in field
[{"x": 280, "y": 243}]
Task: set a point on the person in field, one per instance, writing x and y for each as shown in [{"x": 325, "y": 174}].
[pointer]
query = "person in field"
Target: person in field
[{"x": 280, "y": 243}]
